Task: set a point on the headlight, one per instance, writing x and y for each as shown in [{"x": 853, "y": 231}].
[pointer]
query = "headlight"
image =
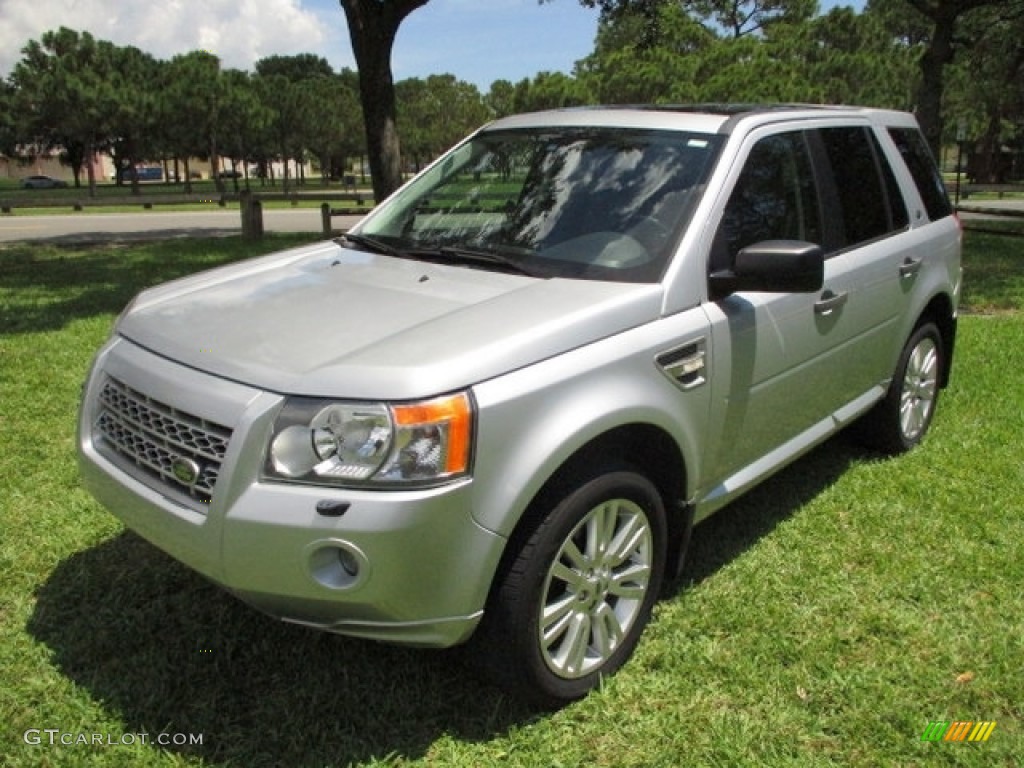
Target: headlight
[{"x": 344, "y": 443}]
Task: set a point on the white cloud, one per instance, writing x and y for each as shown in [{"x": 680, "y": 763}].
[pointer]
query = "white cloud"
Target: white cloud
[{"x": 239, "y": 32}]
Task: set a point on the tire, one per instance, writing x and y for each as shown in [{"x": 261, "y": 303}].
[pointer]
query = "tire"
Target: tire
[
  {"x": 900, "y": 420},
  {"x": 577, "y": 594}
]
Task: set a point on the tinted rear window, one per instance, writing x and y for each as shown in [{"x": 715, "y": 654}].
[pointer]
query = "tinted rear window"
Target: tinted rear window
[
  {"x": 868, "y": 194},
  {"x": 922, "y": 167}
]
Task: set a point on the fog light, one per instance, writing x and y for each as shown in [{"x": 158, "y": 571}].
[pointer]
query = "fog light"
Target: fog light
[
  {"x": 348, "y": 562},
  {"x": 337, "y": 564}
]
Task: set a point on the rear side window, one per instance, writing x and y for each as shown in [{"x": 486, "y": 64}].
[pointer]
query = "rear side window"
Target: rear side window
[
  {"x": 869, "y": 197},
  {"x": 922, "y": 167}
]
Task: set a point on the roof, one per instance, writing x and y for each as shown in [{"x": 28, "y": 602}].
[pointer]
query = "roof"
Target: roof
[{"x": 703, "y": 118}]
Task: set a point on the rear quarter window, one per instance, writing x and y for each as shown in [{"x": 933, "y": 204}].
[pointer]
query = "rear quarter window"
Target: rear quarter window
[{"x": 922, "y": 168}]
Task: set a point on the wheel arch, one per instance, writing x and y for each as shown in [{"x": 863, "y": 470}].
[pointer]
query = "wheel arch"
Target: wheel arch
[
  {"x": 939, "y": 310},
  {"x": 644, "y": 448}
]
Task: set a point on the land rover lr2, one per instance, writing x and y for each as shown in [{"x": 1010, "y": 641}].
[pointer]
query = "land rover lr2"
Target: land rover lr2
[{"x": 493, "y": 410}]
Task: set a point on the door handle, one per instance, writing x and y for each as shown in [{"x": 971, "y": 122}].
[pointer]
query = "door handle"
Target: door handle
[
  {"x": 910, "y": 267},
  {"x": 829, "y": 302}
]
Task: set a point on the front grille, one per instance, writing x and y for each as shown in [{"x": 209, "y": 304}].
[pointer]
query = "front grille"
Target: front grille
[{"x": 181, "y": 451}]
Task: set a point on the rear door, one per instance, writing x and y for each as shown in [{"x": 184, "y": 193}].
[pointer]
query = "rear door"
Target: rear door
[{"x": 868, "y": 230}]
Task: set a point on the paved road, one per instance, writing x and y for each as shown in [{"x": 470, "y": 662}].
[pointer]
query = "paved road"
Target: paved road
[{"x": 88, "y": 227}]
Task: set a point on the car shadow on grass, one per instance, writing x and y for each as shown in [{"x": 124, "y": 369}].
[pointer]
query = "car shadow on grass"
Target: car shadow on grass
[
  {"x": 734, "y": 529},
  {"x": 168, "y": 652}
]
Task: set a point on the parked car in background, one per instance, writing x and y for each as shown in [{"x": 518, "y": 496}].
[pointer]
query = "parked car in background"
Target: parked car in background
[
  {"x": 494, "y": 410},
  {"x": 42, "y": 182},
  {"x": 142, "y": 173}
]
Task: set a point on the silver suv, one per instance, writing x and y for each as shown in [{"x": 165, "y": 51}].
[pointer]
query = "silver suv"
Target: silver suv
[{"x": 495, "y": 409}]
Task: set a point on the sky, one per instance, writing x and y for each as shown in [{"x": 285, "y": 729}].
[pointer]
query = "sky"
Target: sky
[{"x": 478, "y": 41}]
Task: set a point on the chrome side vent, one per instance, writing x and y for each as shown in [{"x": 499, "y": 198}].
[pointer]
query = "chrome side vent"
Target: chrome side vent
[{"x": 685, "y": 365}]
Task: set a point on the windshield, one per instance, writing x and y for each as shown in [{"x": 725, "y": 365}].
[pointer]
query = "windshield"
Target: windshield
[{"x": 591, "y": 203}]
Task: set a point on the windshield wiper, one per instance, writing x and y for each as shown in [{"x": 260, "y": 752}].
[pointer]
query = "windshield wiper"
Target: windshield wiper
[
  {"x": 372, "y": 244},
  {"x": 464, "y": 255},
  {"x": 448, "y": 254}
]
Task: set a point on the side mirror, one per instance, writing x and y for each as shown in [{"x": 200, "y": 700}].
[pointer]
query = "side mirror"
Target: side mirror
[{"x": 773, "y": 266}]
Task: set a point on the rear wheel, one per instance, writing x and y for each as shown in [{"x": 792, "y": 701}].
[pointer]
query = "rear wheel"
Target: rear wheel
[
  {"x": 899, "y": 421},
  {"x": 579, "y": 592}
]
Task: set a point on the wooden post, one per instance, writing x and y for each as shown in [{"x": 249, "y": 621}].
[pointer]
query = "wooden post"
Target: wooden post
[
  {"x": 325, "y": 218},
  {"x": 252, "y": 215},
  {"x": 257, "y": 220},
  {"x": 243, "y": 209}
]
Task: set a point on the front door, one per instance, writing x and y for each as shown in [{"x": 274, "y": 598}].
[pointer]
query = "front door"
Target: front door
[{"x": 774, "y": 375}]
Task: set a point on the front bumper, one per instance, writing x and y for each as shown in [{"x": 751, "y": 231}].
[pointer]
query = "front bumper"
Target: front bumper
[{"x": 410, "y": 567}]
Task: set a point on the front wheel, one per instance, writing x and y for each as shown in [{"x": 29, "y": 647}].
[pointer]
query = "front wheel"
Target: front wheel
[
  {"x": 577, "y": 595},
  {"x": 899, "y": 421}
]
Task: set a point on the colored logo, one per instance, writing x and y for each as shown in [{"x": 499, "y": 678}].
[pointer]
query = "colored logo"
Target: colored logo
[
  {"x": 958, "y": 730},
  {"x": 185, "y": 470}
]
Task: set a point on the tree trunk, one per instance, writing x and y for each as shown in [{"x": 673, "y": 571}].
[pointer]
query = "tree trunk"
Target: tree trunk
[
  {"x": 287, "y": 172},
  {"x": 933, "y": 63},
  {"x": 941, "y": 48},
  {"x": 218, "y": 182},
  {"x": 988, "y": 169},
  {"x": 90, "y": 170},
  {"x": 133, "y": 163},
  {"x": 372, "y": 26},
  {"x": 75, "y": 152}
]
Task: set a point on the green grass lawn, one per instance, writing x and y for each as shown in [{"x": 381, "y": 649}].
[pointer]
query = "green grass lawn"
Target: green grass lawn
[
  {"x": 11, "y": 192},
  {"x": 824, "y": 620}
]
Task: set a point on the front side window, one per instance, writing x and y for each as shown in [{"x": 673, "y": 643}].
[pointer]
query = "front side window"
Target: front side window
[
  {"x": 591, "y": 203},
  {"x": 775, "y": 198}
]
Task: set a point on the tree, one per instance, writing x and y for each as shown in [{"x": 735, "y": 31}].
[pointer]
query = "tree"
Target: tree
[
  {"x": 738, "y": 17},
  {"x": 940, "y": 48},
  {"x": 8, "y": 124},
  {"x": 435, "y": 113},
  {"x": 549, "y": 90},
  {"x": 372, "y": 27},
  {"x": 746, "y": 17},
  {"x": 629, "y": 66},
  {"x": 193, "y": 105},
  {"x": 647, "y": 11},
  {"x": 846, "y": 57},
  {"x": 334, "y": 131},
  {"x": 500, "y": 98},
  {"x": 243, "y": 120},
  {"x": 289, "y": 90},
  {"x": 64, "y": 96},
  {"x": 985, "y": 90},
  {"x": 693, "y": 61},
  {"x": 133, "y": 108}
]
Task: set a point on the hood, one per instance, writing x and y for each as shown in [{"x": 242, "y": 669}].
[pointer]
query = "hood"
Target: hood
[{"x": 333, "y": 322}]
